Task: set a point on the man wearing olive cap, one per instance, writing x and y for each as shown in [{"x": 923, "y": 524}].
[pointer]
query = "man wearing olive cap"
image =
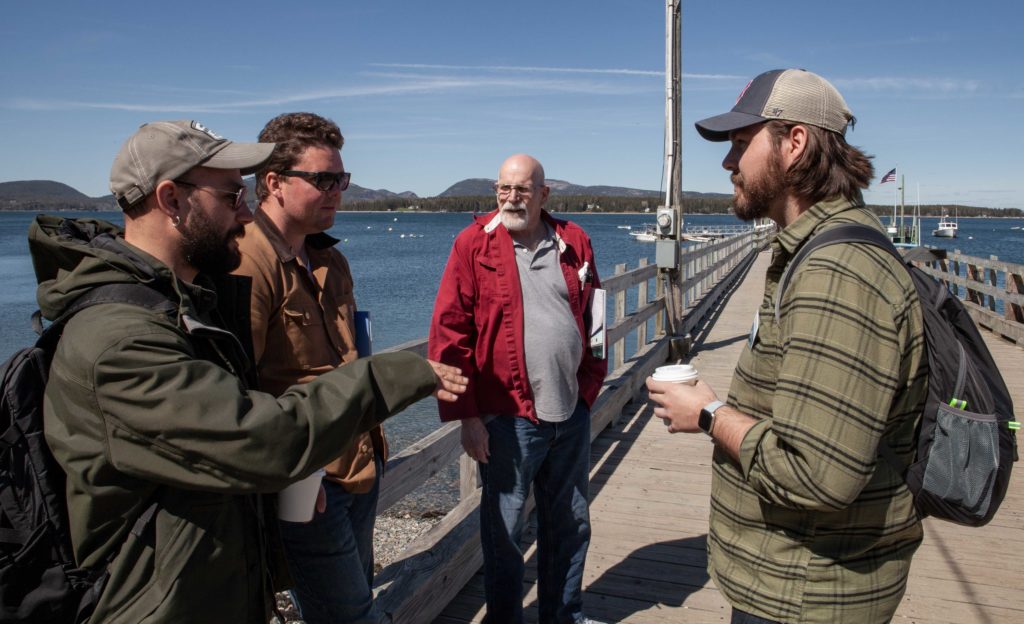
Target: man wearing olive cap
[
  {"x": 150, "y": 409},
  {"x": 807, "y": 523}
]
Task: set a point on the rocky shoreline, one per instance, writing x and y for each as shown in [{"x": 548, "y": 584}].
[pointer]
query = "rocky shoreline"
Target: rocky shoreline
[{"x": 393, "y": 533}]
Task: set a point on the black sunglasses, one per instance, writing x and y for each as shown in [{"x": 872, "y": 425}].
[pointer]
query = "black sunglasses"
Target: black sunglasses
[{"x": 324, "y": 181}]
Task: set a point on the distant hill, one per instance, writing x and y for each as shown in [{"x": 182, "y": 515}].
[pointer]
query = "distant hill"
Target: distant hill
[
  {"x": 359, "y": 193},
  {"x": 38, "y": 190},
  {"x": 485, "y": 186},
  {"x": 353, "y": 193},
  {"x": 468, "y": 187},
  {"x": 47, "y": 195}
]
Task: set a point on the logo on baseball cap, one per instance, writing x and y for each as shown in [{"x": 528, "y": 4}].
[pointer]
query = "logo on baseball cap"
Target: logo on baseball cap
[
  {"x": 164, "y": 150},
  {"x": 784, "y": 94}
]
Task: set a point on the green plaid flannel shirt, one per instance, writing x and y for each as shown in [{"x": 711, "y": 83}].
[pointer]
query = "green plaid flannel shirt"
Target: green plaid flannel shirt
[{"x": 812, "y": 526}]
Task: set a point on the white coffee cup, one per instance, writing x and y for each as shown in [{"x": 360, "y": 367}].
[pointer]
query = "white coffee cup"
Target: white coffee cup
[
  {"x": 297, "y": 502},
  {"x": 676, "y": 373}
]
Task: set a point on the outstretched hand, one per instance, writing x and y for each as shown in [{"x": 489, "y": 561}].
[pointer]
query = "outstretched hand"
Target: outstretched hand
[{"x": 450, "y": 381}]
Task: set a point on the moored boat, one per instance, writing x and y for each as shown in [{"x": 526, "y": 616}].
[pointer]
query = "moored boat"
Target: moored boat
[{"x": 946, "y": 228}]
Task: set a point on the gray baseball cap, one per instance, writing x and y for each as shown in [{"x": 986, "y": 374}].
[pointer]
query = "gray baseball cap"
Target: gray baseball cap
[
  {"x": 164, "y": 150},
  {"x": 784, "y": 94}
]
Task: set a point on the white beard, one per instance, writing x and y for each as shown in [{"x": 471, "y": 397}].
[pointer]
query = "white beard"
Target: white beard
[{"x": 514, "y": 221}]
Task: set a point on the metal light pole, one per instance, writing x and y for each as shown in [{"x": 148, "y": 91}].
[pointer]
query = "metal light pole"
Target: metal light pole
[{"x": 669, "y": 217}]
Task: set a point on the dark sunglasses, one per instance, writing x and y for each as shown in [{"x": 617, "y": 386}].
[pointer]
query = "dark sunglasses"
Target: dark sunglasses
[{"x": 324, "y": 181}]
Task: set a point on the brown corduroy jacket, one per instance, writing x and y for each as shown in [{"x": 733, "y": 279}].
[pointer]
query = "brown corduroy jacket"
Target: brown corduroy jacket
[{"x": 303, "y": 326}]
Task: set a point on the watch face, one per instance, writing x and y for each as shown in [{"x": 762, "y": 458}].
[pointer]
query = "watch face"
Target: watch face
[{"x": 704, "y": 420}]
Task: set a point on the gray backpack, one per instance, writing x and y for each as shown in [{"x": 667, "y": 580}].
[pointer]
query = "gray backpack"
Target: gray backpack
[{"x": 966, "y": 440}]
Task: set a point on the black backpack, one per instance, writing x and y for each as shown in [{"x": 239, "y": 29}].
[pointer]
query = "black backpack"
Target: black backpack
[
  {"x": 39, "y": 580},
  {"x": 966, "y": 440}
]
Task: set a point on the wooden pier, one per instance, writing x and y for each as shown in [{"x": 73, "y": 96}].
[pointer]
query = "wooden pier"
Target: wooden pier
[{"x": 650, "y": 489}]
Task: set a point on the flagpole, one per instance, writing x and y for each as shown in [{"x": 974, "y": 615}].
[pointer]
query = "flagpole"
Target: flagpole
[{"x": 895, "y": 200}]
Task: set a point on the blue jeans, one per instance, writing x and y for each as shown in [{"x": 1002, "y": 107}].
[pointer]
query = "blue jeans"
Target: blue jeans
[
  {"x": 555, "y": 458},
  {"x": 331, "y": 558},
  {"x": 742, "y": 617}
]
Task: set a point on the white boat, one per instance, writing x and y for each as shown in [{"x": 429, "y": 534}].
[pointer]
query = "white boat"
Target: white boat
[
  {"x": 646, "y": 235},
  {"x": 946, "y": 228}
]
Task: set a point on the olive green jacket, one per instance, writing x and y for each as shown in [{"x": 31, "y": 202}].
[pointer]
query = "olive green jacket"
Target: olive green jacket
[{"x": 145, "y": 406}]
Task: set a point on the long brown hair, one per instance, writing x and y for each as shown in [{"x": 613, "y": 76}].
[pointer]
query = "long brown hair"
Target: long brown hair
[{"x": 828, "y": 167}]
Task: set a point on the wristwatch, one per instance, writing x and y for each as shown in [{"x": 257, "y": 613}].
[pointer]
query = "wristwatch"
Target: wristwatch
[{"x": 706, "y": 420}]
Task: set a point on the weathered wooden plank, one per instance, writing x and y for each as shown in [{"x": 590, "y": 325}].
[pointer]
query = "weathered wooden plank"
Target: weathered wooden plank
[
  {"x": 628, "y": 279},
  {"x": 988, "y": 263},
  {"x": 417, "y": 346},
  {"x": 433, "y": 569},
  {"x": 419, "y": 461},
  {"x": 635, "y": 320},
  {"x": 972, "y": 284},
  {"x": 991, "y": 321}
]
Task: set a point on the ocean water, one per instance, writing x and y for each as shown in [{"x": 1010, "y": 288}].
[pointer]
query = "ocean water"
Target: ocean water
[{"x": 397, "y": 260}]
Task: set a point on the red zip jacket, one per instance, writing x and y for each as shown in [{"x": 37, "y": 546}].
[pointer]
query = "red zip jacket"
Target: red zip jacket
[{"x": 478, "y": 318}]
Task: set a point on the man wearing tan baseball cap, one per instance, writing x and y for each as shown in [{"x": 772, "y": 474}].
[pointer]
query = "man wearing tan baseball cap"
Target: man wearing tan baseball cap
[
  {"x": 807, "y": 525},
  {"x": 174, "y": 179},
  {"x": 150, "y": 408}
]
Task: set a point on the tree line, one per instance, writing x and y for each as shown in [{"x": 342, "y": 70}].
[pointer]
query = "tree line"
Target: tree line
[
  {"x": 697, "y": 204},
  {"x": 604, "y": 203}
]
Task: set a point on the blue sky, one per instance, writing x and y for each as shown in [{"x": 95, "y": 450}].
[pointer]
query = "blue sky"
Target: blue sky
[{"x": 429, "y": 93}]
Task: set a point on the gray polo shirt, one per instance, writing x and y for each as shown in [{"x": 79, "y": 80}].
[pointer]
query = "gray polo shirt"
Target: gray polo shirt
[{"x": 551, "y": 337}]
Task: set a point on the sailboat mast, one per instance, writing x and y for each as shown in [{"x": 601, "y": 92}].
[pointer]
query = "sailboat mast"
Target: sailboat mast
[{"x": 902, "y": 206}]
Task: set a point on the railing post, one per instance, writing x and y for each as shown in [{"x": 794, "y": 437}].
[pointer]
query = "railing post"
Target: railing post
[
  {"x": 641, "y": 300},
  {"x": 469, "y": 476},
  {"x": 620, "y": 313},
  {"x": 1014, "y": 284},
  {"x": 944, "y": 266},
  {"x": 974, "y": 275},
  {"x": 993, "y": 280},
  {"x": 955, "y": 270}
]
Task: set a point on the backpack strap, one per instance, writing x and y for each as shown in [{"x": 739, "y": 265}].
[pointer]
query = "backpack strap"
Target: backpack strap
[
  {"x": 845, "y": 233},
  {"x": 132, "y": 293}
]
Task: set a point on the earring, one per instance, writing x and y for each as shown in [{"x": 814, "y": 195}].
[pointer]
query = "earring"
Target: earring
[{"x": 176, "y": 221}]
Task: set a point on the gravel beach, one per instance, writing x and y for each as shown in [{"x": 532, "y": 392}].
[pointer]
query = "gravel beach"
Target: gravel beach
[{"x": 393, "y": 532}]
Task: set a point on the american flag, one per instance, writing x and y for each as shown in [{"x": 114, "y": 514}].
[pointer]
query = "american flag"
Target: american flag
[{"x": 889, "y": 177}]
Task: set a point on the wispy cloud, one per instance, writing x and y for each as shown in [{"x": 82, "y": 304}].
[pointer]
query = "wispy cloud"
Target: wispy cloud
[
  {"x": 556, "y": 70},
  {"x": 927, "y": 85},
  {"x": 397, "y": 83},
  {"x": 236, "y": 105},
  {"x": 525, "y": 69}
]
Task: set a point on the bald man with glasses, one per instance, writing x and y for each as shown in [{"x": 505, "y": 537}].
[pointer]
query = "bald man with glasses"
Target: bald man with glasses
[{"x": 511, "y": 312}]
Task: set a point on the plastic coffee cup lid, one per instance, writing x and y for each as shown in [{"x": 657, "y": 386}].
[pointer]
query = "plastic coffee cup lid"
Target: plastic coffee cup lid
[{"x": 675, "y": 372}]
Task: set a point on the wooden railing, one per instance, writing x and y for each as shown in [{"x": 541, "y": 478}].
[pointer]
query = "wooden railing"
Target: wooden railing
[
  {"x": 435, "y": 567},
  {"x": 992, "y": 290}
]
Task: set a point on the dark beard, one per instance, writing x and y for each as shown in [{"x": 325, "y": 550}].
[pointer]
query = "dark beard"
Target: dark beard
[
  {"x": 752, "y": 198},
  {"x": 207, "y": 250}
]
